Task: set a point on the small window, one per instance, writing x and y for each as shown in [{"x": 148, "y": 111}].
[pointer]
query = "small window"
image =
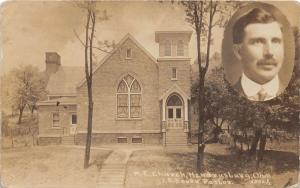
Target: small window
[
  {"x": 174, "y": 73},
  {"x": 136, "y": 140},
  {"x": 129, "y": 53},
  {"x": 180, "y": 48},
  {"x": 74, "y": 119},
  {"x": 178, "y": 113},
  {"x": 170, "y": 113},
  {"x": 55, "y": 119},
  {"x": 167, "y": 48},
  {"x": 122, "y": 140}
]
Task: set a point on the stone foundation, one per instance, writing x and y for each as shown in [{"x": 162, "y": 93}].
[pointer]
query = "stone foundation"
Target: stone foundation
[
  {"x": 49, "y": 140},
  {"x": 112, "y": 138}
]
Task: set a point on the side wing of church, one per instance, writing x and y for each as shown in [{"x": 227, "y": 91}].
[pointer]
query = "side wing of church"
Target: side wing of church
[{"x": 137, "y": 98}]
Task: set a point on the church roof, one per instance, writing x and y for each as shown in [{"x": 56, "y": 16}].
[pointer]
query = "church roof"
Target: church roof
[
  {"x": 67, "y": 78},
  {"x": 125, "y": 38},
  {"x": 58, "y": 101},
  {"x": 64, "y": 80}
]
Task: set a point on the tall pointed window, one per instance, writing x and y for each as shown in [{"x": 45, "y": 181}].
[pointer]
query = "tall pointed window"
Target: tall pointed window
[
  {"x": 180, "y": 48},
  {"x": 129, "y": 98},
  {"x": 167, "y": 48}
]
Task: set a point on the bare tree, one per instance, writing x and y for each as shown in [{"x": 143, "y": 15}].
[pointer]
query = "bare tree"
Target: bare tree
[
  {"x": 27, "y": 86},
  {"x": 204, "y": 16},
  {"x": 92, "y": 15}
]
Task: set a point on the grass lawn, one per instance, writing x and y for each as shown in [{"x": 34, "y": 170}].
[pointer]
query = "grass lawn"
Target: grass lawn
[
  {"x": 160, "y": 169},
  {"x": 50, "y": 166}
]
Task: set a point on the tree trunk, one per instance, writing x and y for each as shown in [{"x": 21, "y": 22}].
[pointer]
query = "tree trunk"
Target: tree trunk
[
  {"x": 12, "y": 137},
  {"x": 32, "y": 109},
  {"x": 89, "y": 131},
  {"x": 21, "y": 114},
  {"x": 262, "y": 146},
  {"x": 255, "y": 142},
  {"x": 201, "y": 144}
]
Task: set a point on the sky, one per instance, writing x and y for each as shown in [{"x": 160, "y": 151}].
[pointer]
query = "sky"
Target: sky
[{"x": 29, "y": 29}]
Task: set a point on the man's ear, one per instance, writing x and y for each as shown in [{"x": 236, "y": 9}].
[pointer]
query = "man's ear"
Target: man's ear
[{"x": 237, "y": 51}]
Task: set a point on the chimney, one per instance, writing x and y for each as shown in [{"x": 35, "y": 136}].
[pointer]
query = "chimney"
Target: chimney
[{"x": 52, "y": 62}]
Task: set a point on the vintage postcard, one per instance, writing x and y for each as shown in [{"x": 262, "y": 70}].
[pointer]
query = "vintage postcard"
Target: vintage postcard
[{"x": 146, "y": 94}]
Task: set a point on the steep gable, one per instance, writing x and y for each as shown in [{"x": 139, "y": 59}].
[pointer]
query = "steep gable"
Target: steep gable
[{"x": 116, "y": 50}]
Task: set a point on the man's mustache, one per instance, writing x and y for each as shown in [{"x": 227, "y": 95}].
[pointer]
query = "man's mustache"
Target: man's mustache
[{"x": 269, "y": 61}]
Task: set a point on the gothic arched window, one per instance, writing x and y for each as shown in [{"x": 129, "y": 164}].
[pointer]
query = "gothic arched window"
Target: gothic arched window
[
  {"x": 180, "y": 48},
  {"x": 167, "y": 48},
  {"x": 129, "y": 98}
]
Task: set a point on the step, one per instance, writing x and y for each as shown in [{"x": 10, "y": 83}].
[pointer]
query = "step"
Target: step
[
  {"x": 112, "y": 166},
  {"x": 105, "y": 174},
  {"x": 110, "y": 185},
  {"x": 113, "y": 170},
  {"x": 111, "y": 180}
]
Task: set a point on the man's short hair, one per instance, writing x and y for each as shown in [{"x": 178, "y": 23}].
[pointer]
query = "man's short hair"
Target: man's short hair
[{"x": 257, "y": 15}]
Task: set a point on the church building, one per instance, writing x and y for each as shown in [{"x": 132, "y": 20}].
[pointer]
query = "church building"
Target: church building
[{"x": 137, "y": 99}]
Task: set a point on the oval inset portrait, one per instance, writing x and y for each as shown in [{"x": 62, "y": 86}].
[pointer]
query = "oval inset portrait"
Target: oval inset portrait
[{"x": 258, "y": 51}]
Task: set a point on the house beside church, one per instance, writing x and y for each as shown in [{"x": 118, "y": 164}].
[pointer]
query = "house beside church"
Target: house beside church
[{"x": 137, "y": 98}]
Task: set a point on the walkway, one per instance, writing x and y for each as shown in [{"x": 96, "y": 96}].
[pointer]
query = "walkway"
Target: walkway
[{"x": 113, "y": 170}]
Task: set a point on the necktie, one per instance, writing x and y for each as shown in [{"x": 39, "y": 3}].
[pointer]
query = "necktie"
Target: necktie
[{"x": 262, "y": 94}]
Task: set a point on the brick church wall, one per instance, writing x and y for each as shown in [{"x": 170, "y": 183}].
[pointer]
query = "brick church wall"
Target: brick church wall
[{"x": 105, "y": 83}]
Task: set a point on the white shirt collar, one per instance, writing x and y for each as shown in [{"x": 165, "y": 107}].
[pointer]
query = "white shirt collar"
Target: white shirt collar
[{"x": 251, "y": 88}]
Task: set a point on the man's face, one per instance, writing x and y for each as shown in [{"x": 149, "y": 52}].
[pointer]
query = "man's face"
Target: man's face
[{"x": 261, "y": 51}]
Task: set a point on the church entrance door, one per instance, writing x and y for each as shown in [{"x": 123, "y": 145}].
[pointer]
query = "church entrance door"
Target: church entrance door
[{"x": 174, "y": 112}]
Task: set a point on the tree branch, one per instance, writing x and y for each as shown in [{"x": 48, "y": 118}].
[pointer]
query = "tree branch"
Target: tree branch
[
  {"x": 86, "y": 46},
  {"x": 91, "y": 46},
  {"x": 78, "y": 38}
]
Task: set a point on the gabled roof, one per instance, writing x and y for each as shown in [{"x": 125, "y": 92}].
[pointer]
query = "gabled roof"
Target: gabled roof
[
  {"x": 127, "y": 36},
  {"x": 174, "y": 88},
  {"x": 64, "y": 80},
  {"x": 59, "y": 101},
  {"x": 158, "y": 34}
]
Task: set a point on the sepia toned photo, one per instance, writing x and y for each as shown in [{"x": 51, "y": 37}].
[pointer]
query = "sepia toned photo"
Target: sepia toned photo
[{"x": 138, "y": 94}]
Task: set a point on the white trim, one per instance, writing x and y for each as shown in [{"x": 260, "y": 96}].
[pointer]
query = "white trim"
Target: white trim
[
  {"x": 188, "y": 32},
  {"x": 128, "y": 50},
  {"x": 52, "y": 115},
  {"x": 127, "y": 36},
  {"x": 53, "y": 103},
  {"x": 137, "y": 136},
  {"x": 174, "y": 89},
  {"x": 164, "y": 110},
  {"x": 174, "y": 78},
  {"x": 165, "y": 48},
  {"x": 122, "y": 137},
  {"x": 177, "y": 44},
  {"x": 129, "y": 93},
  {"x": 71, "y": 118}
]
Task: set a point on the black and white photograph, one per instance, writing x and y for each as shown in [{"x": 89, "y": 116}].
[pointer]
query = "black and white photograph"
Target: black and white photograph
[{"x": 150, "y": 94}]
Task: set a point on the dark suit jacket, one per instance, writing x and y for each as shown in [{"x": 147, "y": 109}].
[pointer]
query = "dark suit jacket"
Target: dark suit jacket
[{"x": 238, "y": 87}]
